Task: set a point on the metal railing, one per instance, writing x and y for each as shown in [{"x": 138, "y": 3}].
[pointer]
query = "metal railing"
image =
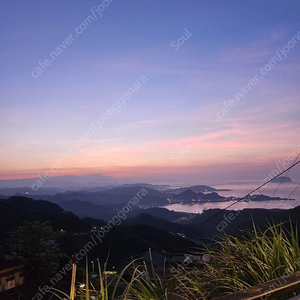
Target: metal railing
[{"x": 278, "y": 288}]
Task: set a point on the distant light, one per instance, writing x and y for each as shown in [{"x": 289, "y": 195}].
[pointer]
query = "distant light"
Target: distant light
[
  {"x": 82, "y": 286},
  {"x": 26, "y": 193},
  {"x": 110, "y": 272}
]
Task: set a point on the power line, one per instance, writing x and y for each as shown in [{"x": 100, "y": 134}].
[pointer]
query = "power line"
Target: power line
[
  {"x": 290, "y": 195},
  {"x": 283, "y": 178},
  {"x": 249, "y": 194}
]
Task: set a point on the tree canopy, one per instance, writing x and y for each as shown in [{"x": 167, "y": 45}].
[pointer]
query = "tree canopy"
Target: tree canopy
[{"x": 34, "y": 244}]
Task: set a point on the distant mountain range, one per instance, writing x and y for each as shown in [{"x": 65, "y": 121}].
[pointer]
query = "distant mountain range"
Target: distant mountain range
[
  {"x": 101, "y": 197},
  {"x": 66, "y": 182},
  {"x": 107, "y": 212},
  {"x": 105, "y": 202},
  {"x": 107, "y": 197},
  {"x": 14, "y": 211},
  {"x": 69, "y": 183}
]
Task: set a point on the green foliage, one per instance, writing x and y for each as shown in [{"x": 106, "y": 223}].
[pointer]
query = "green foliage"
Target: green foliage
[
  {"x": 242, "y": 263},
  {"x": 237, "y": 265},
  {"x": 34, "y": 244},
  {"x": 143, "y": 284},
  {"x": 147, "y": 285}
]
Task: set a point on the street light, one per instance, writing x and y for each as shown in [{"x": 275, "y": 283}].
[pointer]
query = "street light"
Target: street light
[{"x": 93, "y": 268}]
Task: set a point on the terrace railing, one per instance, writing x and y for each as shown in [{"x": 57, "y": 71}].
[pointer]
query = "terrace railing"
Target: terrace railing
[{"x": 281, "y": 288}]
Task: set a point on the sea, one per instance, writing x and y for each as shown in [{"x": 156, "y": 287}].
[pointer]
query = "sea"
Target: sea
[{"x": 240, "y": 188}]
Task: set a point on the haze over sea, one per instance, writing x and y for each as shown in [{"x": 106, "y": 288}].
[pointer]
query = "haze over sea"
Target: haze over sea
[{"x": 240, "y": 188}]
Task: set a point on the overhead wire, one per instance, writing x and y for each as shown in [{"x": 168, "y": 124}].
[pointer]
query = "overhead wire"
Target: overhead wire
[
  {"x": 249, "y": 194},
  {"x": 290, "y": 195},
  {"x": 283, "y": 178}
]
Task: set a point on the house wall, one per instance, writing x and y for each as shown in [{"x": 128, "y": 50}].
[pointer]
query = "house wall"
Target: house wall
[{"x": 10, "y": 278}]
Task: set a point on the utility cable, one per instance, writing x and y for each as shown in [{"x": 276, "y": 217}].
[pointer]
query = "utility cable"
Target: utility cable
[
  {"x": 249, "y": 194},
  {"x": 283, "y": 178},
  {"x": 290, "y": 195}
]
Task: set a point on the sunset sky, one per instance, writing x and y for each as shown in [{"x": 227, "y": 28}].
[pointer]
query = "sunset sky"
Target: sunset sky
[{"x": 77, "y": 110}]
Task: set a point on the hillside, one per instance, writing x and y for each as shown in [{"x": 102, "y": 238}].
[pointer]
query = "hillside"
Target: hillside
[
  {"x": 124, "y": 239},
  {"x": 242, "y": 220}
]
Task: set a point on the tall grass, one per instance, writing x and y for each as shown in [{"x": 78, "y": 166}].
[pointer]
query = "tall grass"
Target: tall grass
[
  {"x": 238, "y": 264},
  {"x": 146, "y": 284},
  {"x": 242, "y": 263},
  {"x": 143, "y": 284}
]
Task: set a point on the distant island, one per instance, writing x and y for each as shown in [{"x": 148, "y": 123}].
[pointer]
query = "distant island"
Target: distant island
[
  {"x": 282, "y": 179},
  {"x": 198, "y": 188},
  {"x": 188, "y": 197}
]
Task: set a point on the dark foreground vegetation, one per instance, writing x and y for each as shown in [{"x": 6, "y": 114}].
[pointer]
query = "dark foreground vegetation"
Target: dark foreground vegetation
[{"x": 186, "y": 261}]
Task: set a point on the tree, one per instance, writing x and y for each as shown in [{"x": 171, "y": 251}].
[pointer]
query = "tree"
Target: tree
[{"x": 34, "y": 244}]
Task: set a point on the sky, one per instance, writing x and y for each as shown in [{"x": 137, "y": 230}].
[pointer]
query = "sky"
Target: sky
[{"x": 159, "y": 89}]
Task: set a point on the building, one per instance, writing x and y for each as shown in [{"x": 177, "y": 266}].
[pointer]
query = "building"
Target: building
[{"x": 11, "y": 277}]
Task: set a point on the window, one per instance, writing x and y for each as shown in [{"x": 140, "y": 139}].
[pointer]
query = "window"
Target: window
[{"x": 10, "y": 281}]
